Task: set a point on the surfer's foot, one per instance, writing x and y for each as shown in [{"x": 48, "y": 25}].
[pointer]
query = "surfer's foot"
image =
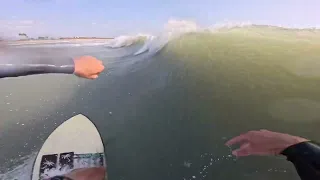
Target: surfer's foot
[{"x": 97, "y": 173}]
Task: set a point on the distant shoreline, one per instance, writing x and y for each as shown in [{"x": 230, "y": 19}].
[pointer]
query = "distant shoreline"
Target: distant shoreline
[
  {"x": 55, "y": 41},
  {"x": 72, "y": 38}
]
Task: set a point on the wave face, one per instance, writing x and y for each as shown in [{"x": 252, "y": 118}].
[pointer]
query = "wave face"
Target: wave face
[
  {"x": 190, "y": 88},
  {"x": 177, "y": 28}
]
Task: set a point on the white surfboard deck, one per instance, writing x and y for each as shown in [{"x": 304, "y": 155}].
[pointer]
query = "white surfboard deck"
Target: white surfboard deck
[{"x": 76, "y": 143}]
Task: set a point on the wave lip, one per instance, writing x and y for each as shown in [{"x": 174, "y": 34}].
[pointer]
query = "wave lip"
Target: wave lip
[
  {"x": 173, "y": 29},
  {"x": 125, "y": 41},
  {"x": 146, "y": 46},
  {"x": 229, "y": 25}
]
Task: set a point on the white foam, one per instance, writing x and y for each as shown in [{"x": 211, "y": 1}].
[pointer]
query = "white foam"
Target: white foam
[
  {"x": 172, "y": 29},
  {"x": 20, "y": 172},
  {"x": 146, "y": 45},
  {"x": 228, "y": 25},
  {"x": 123, "y": 41}
]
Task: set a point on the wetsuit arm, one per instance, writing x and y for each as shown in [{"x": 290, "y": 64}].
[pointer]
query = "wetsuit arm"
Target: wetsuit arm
[
  {"x": 306, "y": 158},
  {"x": 43, "y": 66}
]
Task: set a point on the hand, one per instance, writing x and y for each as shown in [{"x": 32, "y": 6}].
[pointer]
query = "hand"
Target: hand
[
  {"x": 263, "y": 142},
  {"x": 88, "y": 67},
  {"x": 97, "y": 173}
]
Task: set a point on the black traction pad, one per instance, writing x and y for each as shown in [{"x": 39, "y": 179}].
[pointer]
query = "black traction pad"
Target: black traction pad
[{"x": 68, "y": 161}]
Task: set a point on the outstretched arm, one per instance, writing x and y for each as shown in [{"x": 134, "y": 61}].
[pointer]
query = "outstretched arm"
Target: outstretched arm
[
  {"x": 85, "y": 66},
  {"x": 51, "y": 65},
  {"x": 304, "y": 154}
]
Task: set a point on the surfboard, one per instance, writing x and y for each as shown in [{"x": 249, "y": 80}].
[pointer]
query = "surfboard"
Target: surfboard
[{"x": 74, "y": 144}]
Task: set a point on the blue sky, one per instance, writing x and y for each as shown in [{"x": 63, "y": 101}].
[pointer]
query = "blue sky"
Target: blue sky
[{"x": 116, "y": 17}]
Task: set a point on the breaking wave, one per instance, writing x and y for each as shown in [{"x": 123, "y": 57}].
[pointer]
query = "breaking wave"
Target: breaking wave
[
  {"x": 124, "y": 41},
  {"x": 173, "y": 29},
  {"x": 177, "y": 28}
]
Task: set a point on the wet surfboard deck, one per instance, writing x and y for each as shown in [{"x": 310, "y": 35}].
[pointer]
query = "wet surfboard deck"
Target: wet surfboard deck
[{"x": 75, "y": 144}]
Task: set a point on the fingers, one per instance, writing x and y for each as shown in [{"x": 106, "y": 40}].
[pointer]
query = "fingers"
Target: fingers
[
  {"x": 101, "y": 67},
  {"x": 264, "y": 130},
  {"x": 94, "y": 76},
  {"x": 96, "y": 173},
  {"x": 237, "y": 140},
  {"x": 244, "y": 150}
]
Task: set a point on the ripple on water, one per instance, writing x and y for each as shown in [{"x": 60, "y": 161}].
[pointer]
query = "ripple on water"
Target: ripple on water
[
  {"x": 306, "y": 66},
  {"x": 205, "y": 168},
  {"x": 213, "y": 162},
  {"x": 295, "y": 110}
]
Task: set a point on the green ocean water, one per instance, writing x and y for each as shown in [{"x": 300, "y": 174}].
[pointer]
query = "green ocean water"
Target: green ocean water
[{"x": 168, "y": 115}]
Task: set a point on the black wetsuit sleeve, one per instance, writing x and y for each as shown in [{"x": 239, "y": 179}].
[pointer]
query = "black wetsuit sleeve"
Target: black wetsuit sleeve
[
  {"x": 306, "y": 159},
  {"x": 30, "y": 66}
]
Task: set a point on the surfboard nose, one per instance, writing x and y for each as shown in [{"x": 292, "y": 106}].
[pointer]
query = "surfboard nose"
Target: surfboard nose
[{"x": 74, "y": 144}]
